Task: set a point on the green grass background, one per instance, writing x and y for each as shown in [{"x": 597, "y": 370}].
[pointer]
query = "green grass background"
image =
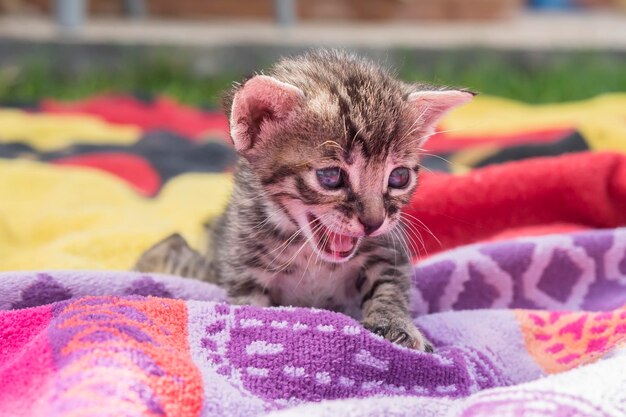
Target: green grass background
[{"x": 570, "y": 77}]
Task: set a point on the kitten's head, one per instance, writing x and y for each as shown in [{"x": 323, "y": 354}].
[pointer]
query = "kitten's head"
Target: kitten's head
[{"x": 335, "y": 142}]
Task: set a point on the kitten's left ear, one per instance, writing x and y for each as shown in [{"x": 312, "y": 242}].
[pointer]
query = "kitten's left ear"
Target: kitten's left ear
[
  {"x": 431, "y": 106},
  {"x": 262, "y": 104}
]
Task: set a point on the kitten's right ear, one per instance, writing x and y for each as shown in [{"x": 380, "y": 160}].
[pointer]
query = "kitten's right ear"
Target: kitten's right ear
[
  {"x": 432, "y": 105},
  {"x": 261, "y": 105}
]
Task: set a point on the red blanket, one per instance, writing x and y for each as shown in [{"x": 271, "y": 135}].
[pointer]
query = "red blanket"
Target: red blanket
[{"x": 535, "y": 196}]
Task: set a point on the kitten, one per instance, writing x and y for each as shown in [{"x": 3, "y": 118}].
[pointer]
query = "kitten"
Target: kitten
[{"x": 330, "y": 150}]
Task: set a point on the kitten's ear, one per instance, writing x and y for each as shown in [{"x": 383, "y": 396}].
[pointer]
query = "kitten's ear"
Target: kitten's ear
[
  {"x": 259, "y": 106},
  {"x": 431, "y": 106}
]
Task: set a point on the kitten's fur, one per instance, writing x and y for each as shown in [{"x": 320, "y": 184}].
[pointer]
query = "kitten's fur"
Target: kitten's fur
[{"x": 323, "y": 109}]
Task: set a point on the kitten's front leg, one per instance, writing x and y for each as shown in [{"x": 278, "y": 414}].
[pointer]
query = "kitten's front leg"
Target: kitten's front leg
[
  {"x": 385, "y": 306},
  {"x": 247, "y": 291},
  {"x": 174, "y": 256}
]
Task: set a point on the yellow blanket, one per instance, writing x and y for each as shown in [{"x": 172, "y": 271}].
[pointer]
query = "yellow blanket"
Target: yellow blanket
[{"x": 76, "y": 218}]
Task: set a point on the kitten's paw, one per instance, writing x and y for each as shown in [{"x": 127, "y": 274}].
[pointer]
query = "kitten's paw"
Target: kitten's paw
[{"x": 400, "y": 331}]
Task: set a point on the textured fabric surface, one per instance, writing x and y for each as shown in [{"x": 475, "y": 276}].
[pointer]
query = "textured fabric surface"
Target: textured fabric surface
[
  {"x": 577, "y": 191},
  {"x": 504, "y": 316}
]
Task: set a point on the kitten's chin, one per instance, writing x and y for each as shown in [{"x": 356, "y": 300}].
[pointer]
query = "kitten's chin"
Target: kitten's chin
[{"x": 331, "y": 246}]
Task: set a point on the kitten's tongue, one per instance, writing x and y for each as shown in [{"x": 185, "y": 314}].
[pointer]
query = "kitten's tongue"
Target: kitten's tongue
[{"x": 339, "y": 243}]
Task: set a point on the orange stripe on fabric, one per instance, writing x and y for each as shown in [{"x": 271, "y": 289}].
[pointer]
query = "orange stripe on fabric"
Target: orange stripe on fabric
[
  {"x": 559, "y": 341},
  {"x": 139, "y": 348}
]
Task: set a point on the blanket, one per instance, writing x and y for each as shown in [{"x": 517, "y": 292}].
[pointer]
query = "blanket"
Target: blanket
[
  {"x": 519, "y": 276},
  {"x": 530, "y": 326}
]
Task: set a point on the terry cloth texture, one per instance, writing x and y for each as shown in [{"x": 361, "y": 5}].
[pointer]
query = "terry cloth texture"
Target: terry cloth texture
[
  {"x": 503, "y": 317},
  {"x": 519, "y": 281}
]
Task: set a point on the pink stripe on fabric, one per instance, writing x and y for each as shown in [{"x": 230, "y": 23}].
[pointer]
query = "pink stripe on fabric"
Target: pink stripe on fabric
[{"x": 25, "y": 361}]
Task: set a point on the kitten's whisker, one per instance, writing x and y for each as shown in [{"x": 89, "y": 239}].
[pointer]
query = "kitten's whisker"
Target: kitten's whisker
[
  {"x": 444, "y": 159},
  {"x": 322, "y": 244},
  {"x": 285, "y": 245},
  {"x": 395, "y": 252},
  {"x": 420, "y": 117},
  {"x": 410, "y": 216},
  {"x": 267, "y": 220},
  {"x": 290, "y": 261},
  {"x": 358, "y": 132},
  {"x": 306, "y": 268},
  {"x": 413, "y": 246},
  {"x": 331, "y": 143},
  {"x": 410, "y": 247},
  {"x": 403, "y": 243},
  {"x": 306, "y": 241},
  {"x": 413, "y": 128},
  {"x": 420, "y": 240},
  {"x": 410, "y": 227},
  {"x": 425, "y": 167},
  {"x": 437, "y": 132},
  {"x": 312, "y": 162}
]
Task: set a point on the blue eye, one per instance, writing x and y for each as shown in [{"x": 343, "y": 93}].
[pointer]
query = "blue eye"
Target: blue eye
[
  {"x": 330, "y": 178},
  {"x": 399, "y": 177}
]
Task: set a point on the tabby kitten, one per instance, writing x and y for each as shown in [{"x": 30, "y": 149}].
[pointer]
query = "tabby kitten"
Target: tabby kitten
[{"x": 330, "y": 150}]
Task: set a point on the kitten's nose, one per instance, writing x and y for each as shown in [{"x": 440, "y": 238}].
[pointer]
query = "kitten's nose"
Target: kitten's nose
[{"x": 371, "y": 225}]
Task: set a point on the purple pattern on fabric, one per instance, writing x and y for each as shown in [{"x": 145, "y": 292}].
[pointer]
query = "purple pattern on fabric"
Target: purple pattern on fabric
[
  {"x": 603, "y": 294},
  {"x": 514, "y": 258},
  {"x": 553, "y": 264},
  {"x": 560, "y": 276},
  {"x": 121, "y": 330},
  {"x": 43, "y": 291},
  {"x": 130, "y": 313},
  {"x": 606, "y": 295},
  {"x": 479, "y": 293},
  {"x": 146, "y": 286},
  {"x": 209, "y": 344},
  {"x": 215, "y": 328},
  {"x": 256, "y": 361},
  {"x": 149, "y": 399},
  {"x": 596, "y": 245},
  {"x": 293, "y": 355},
  {"x": 222, "y": 309},
  {"x": 432, "y": 280}
]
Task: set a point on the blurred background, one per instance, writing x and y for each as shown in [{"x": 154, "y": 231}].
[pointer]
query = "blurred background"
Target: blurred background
[
  {"x": 108, "y": 107},
  {"x": 536, "y": 51}
]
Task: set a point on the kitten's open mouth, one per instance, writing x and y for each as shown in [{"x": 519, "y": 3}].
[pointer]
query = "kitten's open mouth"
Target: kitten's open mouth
[{"x": 335, "y": 247}]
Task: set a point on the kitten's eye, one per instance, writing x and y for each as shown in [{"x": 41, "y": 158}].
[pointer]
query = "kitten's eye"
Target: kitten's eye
[
  {"x": 331, "y": 178},
  {"x": 399, "y": 177}
]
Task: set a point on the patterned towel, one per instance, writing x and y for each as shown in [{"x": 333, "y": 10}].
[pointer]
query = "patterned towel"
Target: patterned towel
[{"x": 534, "y": 307}]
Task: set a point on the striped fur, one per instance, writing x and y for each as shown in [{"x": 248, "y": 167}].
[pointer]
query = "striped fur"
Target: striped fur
[{"x": 272, "y": 244}]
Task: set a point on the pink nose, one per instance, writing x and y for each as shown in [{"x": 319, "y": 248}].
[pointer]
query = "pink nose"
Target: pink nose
[{"x": 371, "y": 225}]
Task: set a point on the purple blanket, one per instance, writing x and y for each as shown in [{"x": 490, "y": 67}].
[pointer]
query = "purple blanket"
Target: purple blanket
[{"x": 527, "y": 327}]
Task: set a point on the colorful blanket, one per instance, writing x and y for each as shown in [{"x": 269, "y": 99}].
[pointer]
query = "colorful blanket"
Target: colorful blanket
[
  {"x": 141, "y": 345},
  {"x": 520, "y": 276}
]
